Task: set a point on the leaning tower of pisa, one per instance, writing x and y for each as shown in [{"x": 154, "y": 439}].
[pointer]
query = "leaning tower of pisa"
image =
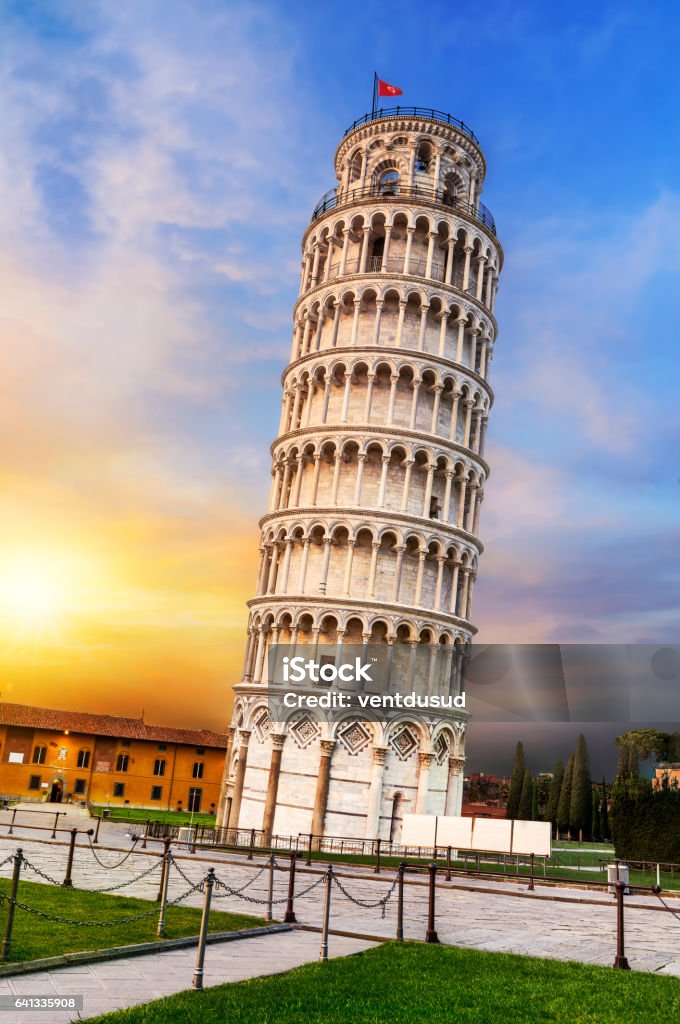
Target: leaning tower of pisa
[{"x": 378, "y": 474}]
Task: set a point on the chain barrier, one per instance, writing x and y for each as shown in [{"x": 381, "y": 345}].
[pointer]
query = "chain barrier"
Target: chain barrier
[
  {"x": 253, "y": 899},
  {"x": 100, "y": 924},
  {"x": 110, "y": 888},
  {"x": 111, "y": 867},
  {"x": 382, "y": 903},
  {"x": 38, "y": 871},
  {"x": 675, "y": 913},
  {"x": 179, "y": 870},
  {"x": 6, "y": 860}
]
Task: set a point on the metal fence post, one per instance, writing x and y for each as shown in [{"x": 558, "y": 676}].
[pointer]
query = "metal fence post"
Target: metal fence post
[
  {"x": 621, "y": 962},
  {"x": 530, "y": 887},
  {"x": 431, "y": 934},
  {"x": 323, "y": 953},
  {"x": 448, "y": 863},
  {"x": 146, "y": 834},
  {"x": 197, "y": 981},
  {"x": 309, "y": 851},
  {"x": 160, "y": 931},
  {"x": 400, "y": 900},
  {"x": 376, "y": 869},
  {"x": 251, "y": 844},
  {"x": 11, "y": 824},
  {"x": 69, "y": 863},
  {"x": 270, "y": 890},
  {"x": 289, "y": 917},
  {"x": 96, "y": 833},
  {"x": 14, "y": 888},
  {"x": 164, "y": 857}
]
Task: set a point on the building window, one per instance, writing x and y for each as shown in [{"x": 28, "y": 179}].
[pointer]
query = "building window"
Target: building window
[
  {"x": 79, "y": 785},
  {"x": 156, "y": 792},
  {"x": 198, "y": 769},
  {"x": 388, "y": 183},
  {"x": 39, "y": 755},
  {"x": 119, "y": 789},
  {"x": 83, "y": 759},
  {"x": 162, "y": 746},
  {"x": 200, "y": 750},
  {"x": 34, "y": 781},
  {"x": 122, "y": 762},
  {"x": 195, "y": 799},
  {"x": 159, "y": 766}
]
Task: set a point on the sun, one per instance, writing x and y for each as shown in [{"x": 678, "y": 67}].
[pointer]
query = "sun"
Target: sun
[{"x": 30, "y": 593}]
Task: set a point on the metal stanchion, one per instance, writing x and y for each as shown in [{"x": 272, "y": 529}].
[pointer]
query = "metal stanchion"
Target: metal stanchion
[
  {"x": 166, "y": 847},
  {"x": 289, "y": 916},
  {"x": 309, "y": 850},
  {"x": 323, "y": 952},
  {"x": 197, "y": 981},
  {"x": 251, "y": 844},
  {"x": 270, "y": 890},
  {"x": 69, "y": 863},
  {"x": 96, "y": 833},
  {"x": 530, "y": 887},
  {"x": 376, "y": 869},
  {"x": 11, "y": 824},
  {"x": 400, "y": 900},
  {"x": 54, "y": 827},
  {"x": 7, "y": 940},
  {"x": 146, "y": 833},
  {"x": 160, "y": 931},
  {"x": 621, "y": 962},
  {"x": 431, "y": 933},
  {"x": 448, "y": 863}
]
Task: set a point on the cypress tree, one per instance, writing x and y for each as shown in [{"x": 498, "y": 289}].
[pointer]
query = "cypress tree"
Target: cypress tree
[
  {"x": 633, "y": 762},
  {"x": 535, "y": 816},
  {"x": 554, "y": 794},
  {"x": 515, "y": 794},
  {"x": 581, "y": 802},
  {"x": 524, "y": 811},
  {"x": 604, "y": 814},
  {"x": 596, "y": 827},
  {"x": 565, "y": 797},
  {"x": 624, "y": 760}
]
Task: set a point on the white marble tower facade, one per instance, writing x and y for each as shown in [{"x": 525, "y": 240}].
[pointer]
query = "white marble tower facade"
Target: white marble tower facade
[{"x": 378, "y": 474}]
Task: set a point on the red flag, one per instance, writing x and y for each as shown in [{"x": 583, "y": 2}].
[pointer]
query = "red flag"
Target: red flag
[{"x": 385, "y": 89}]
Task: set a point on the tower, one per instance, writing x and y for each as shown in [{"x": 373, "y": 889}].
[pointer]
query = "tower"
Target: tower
[{"x": 378, "y": 476}]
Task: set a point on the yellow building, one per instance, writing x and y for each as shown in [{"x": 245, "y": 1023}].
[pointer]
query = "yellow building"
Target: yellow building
[{"x": 70, "y": 755}]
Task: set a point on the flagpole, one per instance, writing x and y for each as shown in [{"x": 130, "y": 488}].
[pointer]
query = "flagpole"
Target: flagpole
[{"x": 375, "y": 91}]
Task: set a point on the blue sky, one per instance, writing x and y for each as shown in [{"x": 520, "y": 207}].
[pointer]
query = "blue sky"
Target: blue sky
[{"x": 159, "y": 163}]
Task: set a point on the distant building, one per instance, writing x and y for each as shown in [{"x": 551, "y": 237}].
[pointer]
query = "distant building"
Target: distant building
[
  {"x": 57, "y": 756},
  {"x": 667, "y": 772}
]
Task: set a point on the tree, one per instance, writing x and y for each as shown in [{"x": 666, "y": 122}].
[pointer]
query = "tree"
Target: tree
[
  {"x": 596, "y": 826},
  {"x": 633, "y": 762},
  {"x": 554, "y": 793},
  {"x": 604, "y": 814},
  {"x": 622, "y": 766},
  {"x": 674, "y": 746},
  {"x": 648, "y": 741},
  {"x": 515, "y": 794},
  {"x": 535, "y": 816},
  {"x": 581, "y": 800},
  {"x": 524, "y": 810},
  {"x": 565, "y": 797}
]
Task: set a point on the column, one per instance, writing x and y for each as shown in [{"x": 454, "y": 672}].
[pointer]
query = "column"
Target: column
[
  {"x": 482, "y": 357},
  {"x": 446, "y": 511},
  {"x": 424, "y": 760},
  {"x": 423, "y": 326},
  {"x": 303, "y": 565},
  {"x": 355, "y": 322},
  {"x": 475, "y": 332},
  {"x": 223, "y": 805},
  {"x": 478, "y": 505},
  {"x": 468, "y": 610},
  {"x": 319, "y": 327},
  {"x": 329, "y": 259},
  {"x": 450, "y": 245},
  {"x": 462, "y": 481},
  {"x": 370, "y": 589},
  {"x": 464, "y": 596},
  {"x": 369, "y": 397},
  {"x": 468, "y": 403},
  {"x": 326, "y": 400},
  {"x": 454, "y": 786},
  {"x": 364, "y": 250},
  {"x": 285, "y": 412},
  {"x": 345, "y": 398},
  {"x": 471, "y": 507},
  {"x": 428, "y": 491},
  {"x": 298, "y": 482},
  {"x": 263, "y": 572},
  {"x": 455, "y": 398},
  {"x": 440, "y": 576},
  {"x": 326, "y": 562},
  {"x": 394, "y": 380},
  {"x": 466, "y": 268},
  {"x": 336, "y": 478},
  {"x": 444, "y": 317},
  {"x": 378, "y": 317},
  {"x": 431, "y": 235},
  {"x": 437, "y": 167},
  {"x": 315, "y": 478},
  {"x": 400, "y": 548},
  {"x": 461, "y": 321},
  {"x": 383, "y": 481},
  {"x": 336, "y": 324},
  {"x": 322, "y": 783},
  {"x": 480, "y": 277},
  {"x": 296, "y": 406},
  {"x": 360, "y": 478},
  {"x": 259, "y": 657},
  {"x": 407, "y": 482},
  {"x": 409, "y": 245},
  {"x": 315, "y": 264},
  {"x": 347, "y": 583},
  {"x": 454, "y": 588},
  {"x": 278, "y": 739},
  {"x": 386, "y": 250},
  {"x": 438, "y": 388},
  {"x": 375, "y": 793},
  {"x": 285, "y": 568},
  {"x": 400, "y": 322},
  {"x": 414, "y": 403},
  {"x": 482, "y": 440},
  {"x": 345, "y": 249},
  {"x": 307, "y": 415},
  {"x": 235, "y": 812},
  {"x": 489, "y": 287},
  {"x": 422, "y": 555},
  {"x": 273, "y": 566}
]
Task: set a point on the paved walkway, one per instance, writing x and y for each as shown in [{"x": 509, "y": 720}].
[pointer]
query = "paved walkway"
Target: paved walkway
[{"x": 121, "y": 983}]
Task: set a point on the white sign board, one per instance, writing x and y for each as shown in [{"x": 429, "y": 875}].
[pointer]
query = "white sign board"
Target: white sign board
[
  {"x": 454, "y": 832},
  {"x": 532, "y": 837},
  {"x": 419, "y": 830},
  {"x": 15, "y": 758},
  {"x": 492, "y": 834}
]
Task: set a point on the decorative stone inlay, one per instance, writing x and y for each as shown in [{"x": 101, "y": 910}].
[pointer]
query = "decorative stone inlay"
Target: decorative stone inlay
[
  {"x": 441, "y": 748},
  {"x": 404, "y": 743},
  {"x": 304, "y": 732},
  {"x": 354, "y": 737},
  {"x": 262, "y": 724}
]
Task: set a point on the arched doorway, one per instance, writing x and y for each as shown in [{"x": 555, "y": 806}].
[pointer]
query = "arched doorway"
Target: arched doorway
[{"x": 57, "y": 791}]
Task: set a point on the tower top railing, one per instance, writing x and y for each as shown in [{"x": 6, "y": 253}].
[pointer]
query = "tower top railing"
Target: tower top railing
[
  {"x": 385, "y": 113},
  {"x": 336, "y": 197}
]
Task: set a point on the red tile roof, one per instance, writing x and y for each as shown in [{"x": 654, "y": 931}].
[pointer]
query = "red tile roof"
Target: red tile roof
[{"x": 105, "y": 725}]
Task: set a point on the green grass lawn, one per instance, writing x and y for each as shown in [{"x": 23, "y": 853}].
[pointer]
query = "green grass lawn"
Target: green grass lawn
[
  {"x": 135, "y": 814},
  {"x": 34, "y": 937},
  {"x": 418, "y": 984}
]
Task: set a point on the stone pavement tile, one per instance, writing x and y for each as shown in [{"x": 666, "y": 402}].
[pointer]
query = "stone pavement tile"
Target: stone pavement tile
[
  {"x": 32, "y": 984},
  {"x": 116, "y": 969},
  {"x": 67, "y": 986}
]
